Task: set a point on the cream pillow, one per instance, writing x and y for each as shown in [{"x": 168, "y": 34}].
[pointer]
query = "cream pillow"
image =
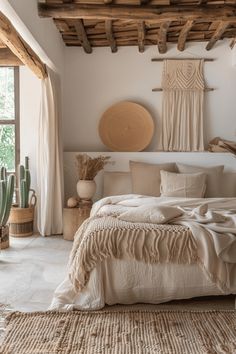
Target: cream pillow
[
  {"x": 214, "y": 178},
  {"x": 151, "y": 214},
  {"x": 146, "y": 178},
  {"x": 116, "y": 183},
  {"x": 183, "y": 185}
]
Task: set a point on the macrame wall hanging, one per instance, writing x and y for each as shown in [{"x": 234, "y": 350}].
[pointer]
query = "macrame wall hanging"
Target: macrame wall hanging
[{"x": 182, "y": 107}]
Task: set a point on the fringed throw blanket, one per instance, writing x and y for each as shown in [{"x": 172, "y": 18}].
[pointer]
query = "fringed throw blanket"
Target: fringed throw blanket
[
  {"x": 182, "y": 106},
  {"x": 204, "y": 234}
]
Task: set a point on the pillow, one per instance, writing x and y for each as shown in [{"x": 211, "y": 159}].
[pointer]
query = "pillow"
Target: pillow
[
  {"x": 214, "y": 177},
  {"x": 116, "y": 183},
  {"x": 183, "y": 185},
  {"x": 151, "y": 214},
  {"x": 228, "y": 185},
  {"x": 146, "y": 177}
]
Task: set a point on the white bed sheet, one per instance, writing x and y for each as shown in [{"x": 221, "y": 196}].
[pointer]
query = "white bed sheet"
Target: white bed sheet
[{"x": 129, "y": 281}]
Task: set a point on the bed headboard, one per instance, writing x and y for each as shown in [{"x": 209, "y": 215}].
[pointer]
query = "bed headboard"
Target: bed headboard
[{"x": 120, "y": 162}]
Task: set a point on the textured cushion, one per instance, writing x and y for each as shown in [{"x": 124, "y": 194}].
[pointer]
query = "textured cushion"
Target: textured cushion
[
  {"x": 117, "y": 183},
  {"x": 183, "y": 185},
  {"x": 146, "y": 177},
  {"x": 214, "y": 178},
  {"x": 151, "y": 214}
]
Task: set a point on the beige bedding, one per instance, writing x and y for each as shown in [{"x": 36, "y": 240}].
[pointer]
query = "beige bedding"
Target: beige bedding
[{"x": 204, "y": 234}]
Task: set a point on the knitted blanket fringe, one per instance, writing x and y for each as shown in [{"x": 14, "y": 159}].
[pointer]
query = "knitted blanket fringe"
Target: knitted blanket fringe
[{"x": 102, "y": 238}]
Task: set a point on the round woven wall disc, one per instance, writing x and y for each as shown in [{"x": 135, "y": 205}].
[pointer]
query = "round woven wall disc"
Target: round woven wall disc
[{"x": 126, "y": 126}]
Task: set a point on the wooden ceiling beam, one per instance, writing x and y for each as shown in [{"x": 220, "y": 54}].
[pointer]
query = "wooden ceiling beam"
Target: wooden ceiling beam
[
  {"x": 7, "y": 58},
  {"x": 82, "y": 36},
  {"x": 141, "y": 36},
  {"x": 184, "y": 34},
  {"x": 162, "y": 37},
  {"x": 110, "y": 36},
  {"x": 218, "y": 34},
  {"x": 142, "y": 13},
  {"x": 232, "y": 43},
  {"x": 12, "y": 39}
]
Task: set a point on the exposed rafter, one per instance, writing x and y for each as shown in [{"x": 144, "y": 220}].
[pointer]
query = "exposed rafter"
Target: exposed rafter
[
  {"x": 184, "y": 34},
  {"x": 142, "y": 13},
  {"x": 110, "y": 36},
  {"x": 12, "y": 39},
  {"x": 218, "y": 34},
  {"x": 162, "y": 37},
  {"x": 141, "y": 36},
  {"x": 232, "y": 43},
  {"x": 82, "y": 36},
  {"x": 117, "y": 23}
]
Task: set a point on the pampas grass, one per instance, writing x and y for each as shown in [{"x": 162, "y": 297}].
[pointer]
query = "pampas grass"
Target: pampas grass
[{"x": 89, "y": 167}]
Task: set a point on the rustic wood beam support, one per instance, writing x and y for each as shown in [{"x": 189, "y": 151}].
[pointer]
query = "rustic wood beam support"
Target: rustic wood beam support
[
  {"x": 7, "y": 58},
  {"x": 232, "y": 43},
  {"x": 110, "y": 36},
  {"x": 202, "y": 2},
  {"x": 184, "y": 34},
  {"x": 218, "y": 34},
  {"x": 162, "y": 37},
  {"x": 142, "y": 13},
  {"x": 12, "y": 39},
  {"x": 82, "y": 36},
  {"x": 2, "y": 45},
  {"x": 141, "y": 36}
]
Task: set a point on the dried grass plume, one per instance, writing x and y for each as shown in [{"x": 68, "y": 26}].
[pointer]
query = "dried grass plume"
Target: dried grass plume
[{"x": 89, "y": 167}]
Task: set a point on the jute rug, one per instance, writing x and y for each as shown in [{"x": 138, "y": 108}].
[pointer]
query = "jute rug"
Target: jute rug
[{"x": 131, "y": 332}]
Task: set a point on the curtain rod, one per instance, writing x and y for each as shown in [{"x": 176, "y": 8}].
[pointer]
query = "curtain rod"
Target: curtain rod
[
  {"x": 207, "y": 89},
  {"x": 162, "y": 59}
]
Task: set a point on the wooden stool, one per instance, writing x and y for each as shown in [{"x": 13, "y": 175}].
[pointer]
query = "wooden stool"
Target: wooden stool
[{"x": 74, "y": 217}]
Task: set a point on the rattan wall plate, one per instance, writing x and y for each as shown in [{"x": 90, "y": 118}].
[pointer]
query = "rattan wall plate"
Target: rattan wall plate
[{"x": 126, "y": 126}]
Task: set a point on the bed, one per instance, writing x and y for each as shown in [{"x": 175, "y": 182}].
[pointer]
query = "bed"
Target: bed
[{"x": 125, "y": 254}]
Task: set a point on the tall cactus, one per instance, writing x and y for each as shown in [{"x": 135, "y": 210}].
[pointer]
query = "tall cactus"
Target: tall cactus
[
  {"x": 24, "y": 183},
  {"x": 6, "y": 195}
]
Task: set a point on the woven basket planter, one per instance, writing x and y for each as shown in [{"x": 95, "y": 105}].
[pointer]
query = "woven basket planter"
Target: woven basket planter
[
  {"x": 4, "y": 237},
  {"x": 21, "y": 222}
]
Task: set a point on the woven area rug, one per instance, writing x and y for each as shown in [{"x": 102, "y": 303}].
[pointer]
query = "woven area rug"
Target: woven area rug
[{"x": 131, "y": 332}]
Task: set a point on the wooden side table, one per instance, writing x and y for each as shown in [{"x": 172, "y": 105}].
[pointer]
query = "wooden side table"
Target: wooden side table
[{"x": 72, "y": 219}]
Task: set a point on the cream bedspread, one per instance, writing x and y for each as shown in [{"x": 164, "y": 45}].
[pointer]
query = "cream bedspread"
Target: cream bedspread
[{"x": 211, "y": 242}]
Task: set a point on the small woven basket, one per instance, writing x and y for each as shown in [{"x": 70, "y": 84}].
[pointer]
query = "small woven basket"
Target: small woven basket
[
  {"x": 4, "y": 237},
  {"x": 21, "y": 222}
]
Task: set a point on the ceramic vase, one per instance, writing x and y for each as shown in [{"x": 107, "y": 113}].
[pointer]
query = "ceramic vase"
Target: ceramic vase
[{"x": 86, "y": 189}]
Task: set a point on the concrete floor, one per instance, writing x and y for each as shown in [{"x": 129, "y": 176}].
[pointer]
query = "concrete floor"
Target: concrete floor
[
  {"x": 30, "y": 270},
  {"x": 33, "y": 267}
]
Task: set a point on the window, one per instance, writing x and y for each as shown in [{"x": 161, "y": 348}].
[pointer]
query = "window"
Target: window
[{"x": 9, "y": 118}]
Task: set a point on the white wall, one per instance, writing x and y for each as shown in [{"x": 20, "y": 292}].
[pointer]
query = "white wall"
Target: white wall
[{"x": 96, "y": 81}]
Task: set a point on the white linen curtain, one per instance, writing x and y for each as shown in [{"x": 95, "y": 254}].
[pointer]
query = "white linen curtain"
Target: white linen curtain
[
  {"x": 49, "y": 159},
  {"x": 182, "y": 106}
]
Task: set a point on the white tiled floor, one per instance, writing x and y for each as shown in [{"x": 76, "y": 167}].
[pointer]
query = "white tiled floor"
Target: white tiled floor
[{"x": 30, "y": 270}]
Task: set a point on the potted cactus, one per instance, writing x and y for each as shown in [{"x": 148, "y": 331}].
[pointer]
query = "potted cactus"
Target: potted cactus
[
  {"x": 6, "y": 196},
  {"x": 21, "y": 218}
]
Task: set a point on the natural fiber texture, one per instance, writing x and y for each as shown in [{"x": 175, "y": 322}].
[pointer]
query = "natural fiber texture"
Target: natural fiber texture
[
  {"x": 101, "y": 238},
  {"x": 166, "y": 332},
  {"x": 182, "y": 108}
]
